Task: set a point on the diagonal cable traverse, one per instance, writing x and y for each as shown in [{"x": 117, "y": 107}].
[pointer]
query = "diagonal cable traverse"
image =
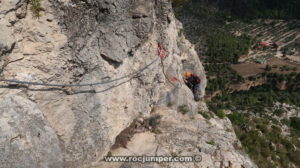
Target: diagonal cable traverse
[{"x": 80, "y": 85}]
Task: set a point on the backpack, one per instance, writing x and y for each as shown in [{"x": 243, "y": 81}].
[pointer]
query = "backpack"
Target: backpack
[{"x": 197, "y": 79}]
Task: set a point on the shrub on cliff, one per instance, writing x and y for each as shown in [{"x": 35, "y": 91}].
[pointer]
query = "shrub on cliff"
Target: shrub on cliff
[{"x": 36, "y": 7}]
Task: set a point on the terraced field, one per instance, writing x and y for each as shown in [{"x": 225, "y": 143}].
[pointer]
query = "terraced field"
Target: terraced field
[
  {"x": 285, "y": 34},
  {"x": 276, "y": 31}
]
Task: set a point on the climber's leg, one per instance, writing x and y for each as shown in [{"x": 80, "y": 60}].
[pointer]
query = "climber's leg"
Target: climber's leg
[{"x": 196, "y": 92}]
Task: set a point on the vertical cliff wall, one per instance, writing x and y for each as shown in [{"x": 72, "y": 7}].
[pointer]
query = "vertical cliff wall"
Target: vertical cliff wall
[{"x": 109, "y": 45}]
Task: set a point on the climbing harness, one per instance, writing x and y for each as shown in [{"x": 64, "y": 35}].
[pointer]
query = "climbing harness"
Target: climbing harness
[{"x": 174, "y": 79}]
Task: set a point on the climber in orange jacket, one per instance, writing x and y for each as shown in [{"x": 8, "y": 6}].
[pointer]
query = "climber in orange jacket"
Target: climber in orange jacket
[{"x": 193, "y": 82}]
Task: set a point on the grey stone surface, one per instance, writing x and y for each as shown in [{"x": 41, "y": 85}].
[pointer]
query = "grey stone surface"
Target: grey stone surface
[
  {"x": 26, "y": 139},
  {"x": 180, "y": 135},
  {"x": 7, "y": 40},
  {"x": 76, "y": 42},
  {"x": 9, "y": 5}
]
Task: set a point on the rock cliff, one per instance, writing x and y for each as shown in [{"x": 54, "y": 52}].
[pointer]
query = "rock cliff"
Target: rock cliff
[{"x": 109, "y": 49}]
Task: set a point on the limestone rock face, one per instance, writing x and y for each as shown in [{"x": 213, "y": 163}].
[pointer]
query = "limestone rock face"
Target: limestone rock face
[
  {"x": 113, "y": 43},
  {"x": 179, "y": 135},
  {"x": 6, "y": 39},
  {"x": 27, "y": 139},
  {"x": 9, "y": 5}
]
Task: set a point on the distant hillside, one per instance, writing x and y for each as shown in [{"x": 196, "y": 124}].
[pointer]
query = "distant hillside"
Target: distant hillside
[
  {"x": 276, "y": 9},
  {"x": 253, "y": 9}
]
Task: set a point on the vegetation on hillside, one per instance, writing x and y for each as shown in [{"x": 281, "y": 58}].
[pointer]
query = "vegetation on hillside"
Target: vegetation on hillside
[
  {"x": 220, "y": 75},
  {"x": 252, "y": 9},
  {"x": 269, "y": 9},
  {"x": 223, "y": 47},
  {"x": 292, "y": 80},
  {"x": 255, "y": 100},
  {"x": 263, "y": 139},
  {"x": 261, "y": 134}
]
